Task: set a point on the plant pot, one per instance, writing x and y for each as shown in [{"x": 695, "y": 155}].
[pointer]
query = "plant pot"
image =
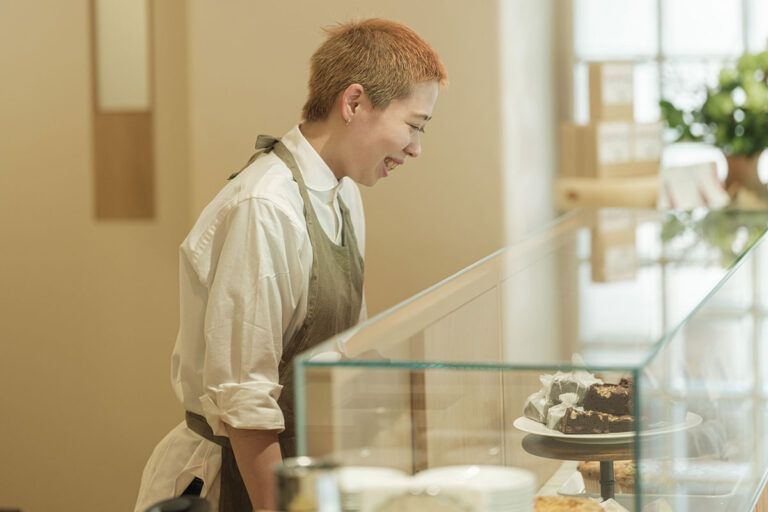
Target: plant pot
[{"x": 742, "y": 174}]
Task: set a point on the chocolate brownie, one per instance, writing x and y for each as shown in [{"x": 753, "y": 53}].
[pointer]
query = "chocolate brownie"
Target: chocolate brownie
[
  {"x": 594, "y": 422},
  {"x": 610, "y": 398},
  {"x": 627, "y": 383}
]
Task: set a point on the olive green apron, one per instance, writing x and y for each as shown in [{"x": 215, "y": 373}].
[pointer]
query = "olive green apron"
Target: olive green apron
[{"x": 333, "y": 305}]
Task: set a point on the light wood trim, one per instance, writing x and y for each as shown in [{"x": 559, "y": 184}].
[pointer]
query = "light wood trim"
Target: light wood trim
[
  {"x": 419, "y": 440},
  {"x": 630, "y": 192},
  {"x": 762, "y": 502}
]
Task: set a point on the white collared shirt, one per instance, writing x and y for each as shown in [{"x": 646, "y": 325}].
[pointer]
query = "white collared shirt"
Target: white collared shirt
[
  {"x": 244, "y": 274},
  {"x": 244, "y": 279}
]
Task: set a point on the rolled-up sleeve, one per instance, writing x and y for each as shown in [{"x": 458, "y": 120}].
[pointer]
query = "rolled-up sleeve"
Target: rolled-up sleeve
[{"x": 253, "y": 295}]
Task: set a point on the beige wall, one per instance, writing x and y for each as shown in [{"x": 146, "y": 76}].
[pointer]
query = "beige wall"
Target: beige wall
[{"x": 89, "y": 309}]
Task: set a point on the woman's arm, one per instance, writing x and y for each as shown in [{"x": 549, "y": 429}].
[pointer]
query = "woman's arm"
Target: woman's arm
[{"x": 256, "y": 452}]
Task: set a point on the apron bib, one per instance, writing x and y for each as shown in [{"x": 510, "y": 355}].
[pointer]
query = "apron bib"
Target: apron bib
[{"x": 333, "y": 305}]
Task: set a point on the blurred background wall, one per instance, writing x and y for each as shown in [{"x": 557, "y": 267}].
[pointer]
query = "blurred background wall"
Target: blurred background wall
[{"x": 89, "y": 308}]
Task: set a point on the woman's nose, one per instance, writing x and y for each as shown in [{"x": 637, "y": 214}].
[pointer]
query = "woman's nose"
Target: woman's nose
[{"x": 414, "y": 148}]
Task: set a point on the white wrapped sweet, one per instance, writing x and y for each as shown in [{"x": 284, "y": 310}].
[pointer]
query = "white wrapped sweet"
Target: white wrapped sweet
[
  {"x": 556, "y": 413},
  {"x": 577, "y": 382},
  {"x": 546, "y": 384},
  {"x": 536, "y": 406}
]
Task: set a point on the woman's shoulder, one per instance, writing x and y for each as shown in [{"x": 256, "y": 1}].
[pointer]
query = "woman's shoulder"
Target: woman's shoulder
[
  {"x": 264, "y": 188},
  {"x": 267, "y": 179}
]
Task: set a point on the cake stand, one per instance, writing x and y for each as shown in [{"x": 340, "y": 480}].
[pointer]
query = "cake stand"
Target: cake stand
[{"x": 606, "y": 454}]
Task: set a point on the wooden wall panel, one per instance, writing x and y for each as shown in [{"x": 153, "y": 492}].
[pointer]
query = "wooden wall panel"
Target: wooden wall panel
[{"x": 123, "y": 160}]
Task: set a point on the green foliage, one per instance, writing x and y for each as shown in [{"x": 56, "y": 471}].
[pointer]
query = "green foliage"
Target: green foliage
[
  {"x": 734, "y": 115},
  {"x": 730, "y": 232}
]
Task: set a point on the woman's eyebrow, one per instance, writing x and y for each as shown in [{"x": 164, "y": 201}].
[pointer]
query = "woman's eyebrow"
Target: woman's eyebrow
[{"x": 423, "y": 116}]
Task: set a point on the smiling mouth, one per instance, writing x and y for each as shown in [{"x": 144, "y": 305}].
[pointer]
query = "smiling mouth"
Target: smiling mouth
[{"x": 390, "y": 164}]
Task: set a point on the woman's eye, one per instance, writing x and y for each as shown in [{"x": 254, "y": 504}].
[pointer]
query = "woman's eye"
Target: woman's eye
[{"x": 416, "y": 127}]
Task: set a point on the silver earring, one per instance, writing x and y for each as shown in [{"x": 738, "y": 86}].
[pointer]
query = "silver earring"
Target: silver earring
[{"x": 347, "y": 121}]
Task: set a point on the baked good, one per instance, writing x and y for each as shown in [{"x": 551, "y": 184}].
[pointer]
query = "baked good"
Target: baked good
[
  {"x": 625, "y": 477},
  {"x": 594, "y": 422},
  {"x": 572, "y": 382},
  {"x": 590, "y": 473},
  {"x": 580, "y": 403},
  {"x": 623, "y": 471},
  {"x": 536, "y": 407},
  {"x": 611, "y": 398},
  {"x": 565, "y": 504}
]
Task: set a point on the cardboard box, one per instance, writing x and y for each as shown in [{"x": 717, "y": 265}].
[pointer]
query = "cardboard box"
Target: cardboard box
[
  {"x": 613, "y": 250},
  {"x": 611, "y": 91},
  {"x": 610, "y": 149}
]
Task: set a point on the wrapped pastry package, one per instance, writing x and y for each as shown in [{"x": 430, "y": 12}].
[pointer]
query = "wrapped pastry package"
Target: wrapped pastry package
[
  {"x": 556, "y": 413},
  {"x": 577, "y": 382},
  {"x": 536, "y": 407},
  {"x": 546, "y": 383}
]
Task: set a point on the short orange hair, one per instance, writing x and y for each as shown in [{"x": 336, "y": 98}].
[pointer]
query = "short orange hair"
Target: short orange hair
[{"x": 386, "y": 57}]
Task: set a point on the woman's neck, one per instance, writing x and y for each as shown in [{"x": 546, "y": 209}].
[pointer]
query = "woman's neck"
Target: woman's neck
[{"x": 324, "y": 138}]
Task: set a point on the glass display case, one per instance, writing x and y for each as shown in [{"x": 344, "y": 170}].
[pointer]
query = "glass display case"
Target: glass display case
[{"x": 667, "y": 309}]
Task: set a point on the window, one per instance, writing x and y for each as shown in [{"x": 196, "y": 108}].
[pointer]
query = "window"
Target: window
[{"x": 678, "y": 46}]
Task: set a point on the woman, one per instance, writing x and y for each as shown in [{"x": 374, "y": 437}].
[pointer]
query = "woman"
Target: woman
[{"x": 274, "y": 264}]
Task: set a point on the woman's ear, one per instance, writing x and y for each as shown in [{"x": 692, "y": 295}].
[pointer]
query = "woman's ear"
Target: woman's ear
[{"x": 350, "y": 100}]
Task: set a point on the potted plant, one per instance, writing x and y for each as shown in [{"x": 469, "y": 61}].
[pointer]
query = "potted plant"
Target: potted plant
[{"x": 733, "y": 117}]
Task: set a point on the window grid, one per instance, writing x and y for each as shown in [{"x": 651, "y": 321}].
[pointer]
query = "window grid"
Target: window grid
[{"x": 660, "y": 58}]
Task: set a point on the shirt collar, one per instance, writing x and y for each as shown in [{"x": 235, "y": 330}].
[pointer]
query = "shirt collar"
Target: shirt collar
[{"x": 317, "y": 175}]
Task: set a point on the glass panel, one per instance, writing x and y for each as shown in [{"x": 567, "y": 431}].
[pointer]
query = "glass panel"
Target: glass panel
[
  {"x": 762, "y": 355},
  {"x": 614, "y": 29},
  {"x": 466, "y": 372},
  {"x": 685, "y": 286},
  {"x": 705, "y": 374},
  {"x": 758, "y": 25},
  {"x": 603, "y": 317},
  {"x": 701, "y": 27},
  {"x": 761, "y": 284}
]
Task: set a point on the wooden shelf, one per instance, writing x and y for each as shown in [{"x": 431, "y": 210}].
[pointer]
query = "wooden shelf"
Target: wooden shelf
[{"x": 634, "y": 192}]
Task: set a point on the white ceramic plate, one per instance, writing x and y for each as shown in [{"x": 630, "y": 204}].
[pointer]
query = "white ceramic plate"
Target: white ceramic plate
[
  {"x": 534, "y": 427},
  {"x": 490, "y": 479}
]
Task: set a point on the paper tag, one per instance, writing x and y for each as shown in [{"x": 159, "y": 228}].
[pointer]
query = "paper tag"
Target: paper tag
[
  {"x": 613, "y": 143},
  {"x": 691, "y": 186},
  {"x": 617, "y": 84}
]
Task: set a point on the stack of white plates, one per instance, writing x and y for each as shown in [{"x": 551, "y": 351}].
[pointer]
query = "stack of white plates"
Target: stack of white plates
[
  {"x": 499, "y": 488},
  {"x": 354, "y": 479}
]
